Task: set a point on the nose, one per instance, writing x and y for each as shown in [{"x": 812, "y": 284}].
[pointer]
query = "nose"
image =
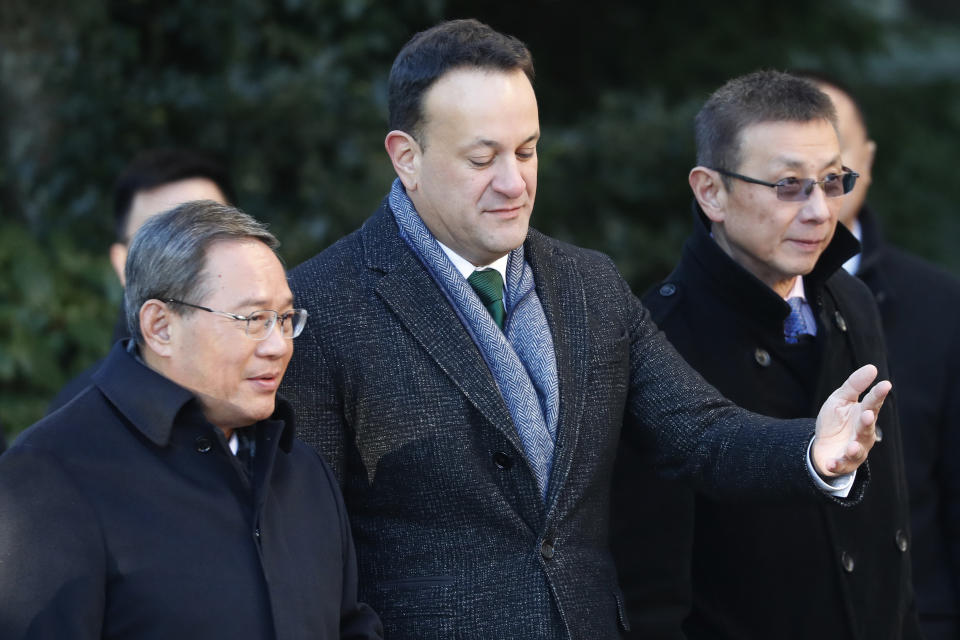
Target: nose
[
  {"x": 817, "y": 207},
  {"x": 509, "y": 180},
  {"x": 274, "y": 345}
]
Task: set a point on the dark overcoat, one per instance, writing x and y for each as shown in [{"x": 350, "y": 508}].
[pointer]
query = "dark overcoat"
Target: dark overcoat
[
  {"x": 920, "y": 310},
  {"x": 774, "y": 570},
  {"x": 453, "y": 538},
  {"x": 125, "y": 515}
]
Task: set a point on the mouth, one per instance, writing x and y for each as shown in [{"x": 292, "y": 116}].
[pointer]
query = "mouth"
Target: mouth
[
  {"x": 507, "y": 211},
  {"x": 265, "y": 381},
  {"x": 808, "y": 245}
]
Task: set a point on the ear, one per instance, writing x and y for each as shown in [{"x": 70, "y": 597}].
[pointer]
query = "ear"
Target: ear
[
  {"x": 118, "y": 258},
  {"x": 871, "y": 154},
  {"x": 708, "y": 189},
  {"x": 156, "y": 325},
  {"x": 405, "y": 153}
]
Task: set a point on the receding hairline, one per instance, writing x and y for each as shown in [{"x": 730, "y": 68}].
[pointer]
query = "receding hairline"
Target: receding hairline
[{"x": 487, "y": 70}]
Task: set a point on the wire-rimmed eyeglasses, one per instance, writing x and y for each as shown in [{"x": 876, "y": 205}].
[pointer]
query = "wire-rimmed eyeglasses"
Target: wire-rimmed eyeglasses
[
  {"x": 260, "y": 323},
  {"x": 834, "y": 185}
]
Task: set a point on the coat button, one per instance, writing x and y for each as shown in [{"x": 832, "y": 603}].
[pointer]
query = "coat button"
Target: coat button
[
  {"x": 839, "y": 321},
  {"x": 762, "y": 356},
  {"x": 847, "y": 561},
  {"x": 902, "y": 543},
  {"x": 668, "y": 289},
  {"x": 203, "y": 444},
  {"x": 256, "y": 533},
  {"x": 546, "y": 549},
  {"x": 502, "y": 460}
]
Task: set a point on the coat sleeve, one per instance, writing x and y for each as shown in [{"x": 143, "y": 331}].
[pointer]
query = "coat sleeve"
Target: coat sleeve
[
  {"x": 700, "y": 436},
  {"x": 52, "y": 557},
  {"x": 311, "y": 387}
]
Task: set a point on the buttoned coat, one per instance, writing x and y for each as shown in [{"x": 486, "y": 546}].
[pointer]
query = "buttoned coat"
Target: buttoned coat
[
  {"x": 453, "y": 538},
  {"x": 920, "y": 310},
  {"x": 763, "y": 567},
  {"x": 125, "y": 515}
]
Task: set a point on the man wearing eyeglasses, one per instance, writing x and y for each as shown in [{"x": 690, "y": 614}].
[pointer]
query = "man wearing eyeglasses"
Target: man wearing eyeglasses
[
  {"x": 759, "y": 305},
  {"x": 170, "y": 498}
]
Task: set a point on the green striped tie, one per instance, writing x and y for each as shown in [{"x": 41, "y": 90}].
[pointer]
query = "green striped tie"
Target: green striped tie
[{"x": 489, "y": 287}]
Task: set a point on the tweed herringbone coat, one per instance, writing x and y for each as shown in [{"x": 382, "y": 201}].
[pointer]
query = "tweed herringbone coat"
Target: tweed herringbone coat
[{"x": 453, "y": 538}]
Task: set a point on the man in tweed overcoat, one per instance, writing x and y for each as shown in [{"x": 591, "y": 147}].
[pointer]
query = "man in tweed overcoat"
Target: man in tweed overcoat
[{"x": 475, "y": 452}]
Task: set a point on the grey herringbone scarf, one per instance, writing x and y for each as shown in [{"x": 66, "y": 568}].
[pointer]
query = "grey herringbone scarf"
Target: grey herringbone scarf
[{"x": 521, "y": 357}]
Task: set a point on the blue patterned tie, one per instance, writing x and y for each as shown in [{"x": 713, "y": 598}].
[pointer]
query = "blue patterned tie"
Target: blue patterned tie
[
  {"x": 794, "y": 326},
  {"x": 489, "y": 287}
]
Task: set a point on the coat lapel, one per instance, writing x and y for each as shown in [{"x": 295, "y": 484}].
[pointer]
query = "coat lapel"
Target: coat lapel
[
  {"x": 419, "y": 304},
  {"x": 560, "y": 289}
]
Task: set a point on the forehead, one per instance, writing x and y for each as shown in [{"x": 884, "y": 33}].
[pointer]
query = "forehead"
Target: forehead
[
  {"x": 244, "y": 270},
  {"x": 149, "y": 202},
  {"x": 489, "y": 103},
  {"x": 811, "y": 144}
]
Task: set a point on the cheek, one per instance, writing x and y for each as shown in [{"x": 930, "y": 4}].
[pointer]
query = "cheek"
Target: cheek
[{"x": 530, "y": 177}]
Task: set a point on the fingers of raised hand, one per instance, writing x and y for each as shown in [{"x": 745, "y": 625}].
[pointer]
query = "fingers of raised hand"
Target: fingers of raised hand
[
  {"x": 858, "y": 381},
  {"x": 874, "y": 399}
]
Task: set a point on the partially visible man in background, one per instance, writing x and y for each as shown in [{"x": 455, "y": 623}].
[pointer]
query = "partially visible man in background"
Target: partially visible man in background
[
  {"x": 170, "y": 499},
  {"x": 156, "y": 180},
  {"x": 920, "y": 311}
]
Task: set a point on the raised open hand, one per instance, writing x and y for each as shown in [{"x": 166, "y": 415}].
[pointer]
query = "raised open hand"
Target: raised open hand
[{"x": 846, "y": 426}]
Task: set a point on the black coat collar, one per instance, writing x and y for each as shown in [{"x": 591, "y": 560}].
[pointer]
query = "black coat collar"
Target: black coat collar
[
  {"x": 153, "y": 403},
  {"x": 745, "y": 289}
]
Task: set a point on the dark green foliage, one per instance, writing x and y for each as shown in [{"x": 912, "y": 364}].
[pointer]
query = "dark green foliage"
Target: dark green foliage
[{"x": 291, "y": 95}]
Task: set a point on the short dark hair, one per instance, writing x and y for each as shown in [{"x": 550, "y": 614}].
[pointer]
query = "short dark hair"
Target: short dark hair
[
  {"x": 761, "y": 96},
  {"x": 157, "y": 167},
  {"x": 168, "y": 255},
  {"x": 442, "y": 48}
]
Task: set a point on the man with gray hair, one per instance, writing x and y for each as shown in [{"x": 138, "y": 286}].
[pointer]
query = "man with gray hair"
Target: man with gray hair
[{"x": 170, "y": 499}]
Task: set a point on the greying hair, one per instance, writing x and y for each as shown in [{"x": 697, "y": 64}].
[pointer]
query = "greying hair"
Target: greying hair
[
  {"x": 168, "y": 255},
  {"x": 762, "y": 96}
]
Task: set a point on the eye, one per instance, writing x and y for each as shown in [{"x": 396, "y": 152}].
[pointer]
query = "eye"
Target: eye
[
  {"x": 789, "y": 182},
  {"x": 526, "y": 154},
  {"x": 481, "y": 162},
  {"x": 259, "y": 319}
]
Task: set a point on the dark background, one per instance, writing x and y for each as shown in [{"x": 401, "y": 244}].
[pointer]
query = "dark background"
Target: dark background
[{"x": 291, "y": 96}]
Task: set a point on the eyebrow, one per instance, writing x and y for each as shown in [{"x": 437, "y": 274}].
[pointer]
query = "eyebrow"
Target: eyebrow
[
  {"x": 260, "y": 303},
  {"x": 493, "y": 144},
  {"x": 790, "y": 163}
]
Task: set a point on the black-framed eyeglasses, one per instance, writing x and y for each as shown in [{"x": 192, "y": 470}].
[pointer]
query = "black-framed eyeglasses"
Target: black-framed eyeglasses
[
  {"x": 260, "y": 324},
  {"x": 834, "y": 185}
]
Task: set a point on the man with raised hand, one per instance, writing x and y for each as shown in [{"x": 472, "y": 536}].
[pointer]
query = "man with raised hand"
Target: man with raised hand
[{"x": 468, "y": 377}]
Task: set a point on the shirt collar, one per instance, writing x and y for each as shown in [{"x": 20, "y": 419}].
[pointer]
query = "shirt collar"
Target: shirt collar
[
  {"x": 852, "y": 266},
  {"x": 465, "y": 267},
  {"x": 796, "y": 291}
]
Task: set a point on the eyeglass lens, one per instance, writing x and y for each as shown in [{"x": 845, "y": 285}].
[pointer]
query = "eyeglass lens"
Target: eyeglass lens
[
  {"x": 260, "y": 323},
  {"x": 834, "y": 185}
]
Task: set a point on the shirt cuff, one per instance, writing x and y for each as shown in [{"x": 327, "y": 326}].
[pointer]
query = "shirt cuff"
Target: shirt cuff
[{"x": 838, "y": 487}]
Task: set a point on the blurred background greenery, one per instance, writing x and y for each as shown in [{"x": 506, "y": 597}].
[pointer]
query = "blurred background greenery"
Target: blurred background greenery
[{"x": 290, "y": 94}]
